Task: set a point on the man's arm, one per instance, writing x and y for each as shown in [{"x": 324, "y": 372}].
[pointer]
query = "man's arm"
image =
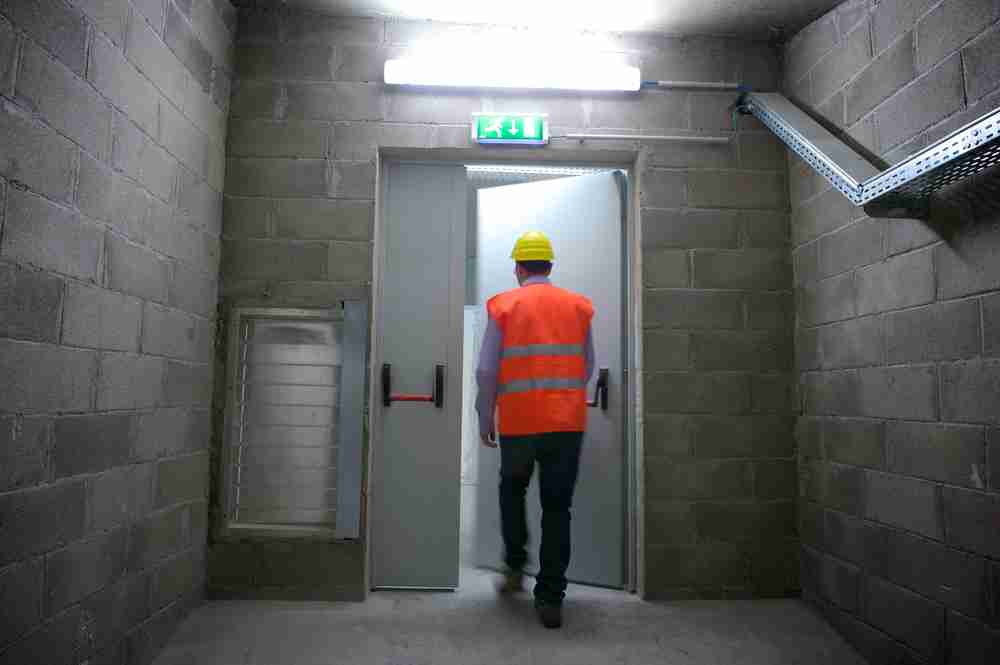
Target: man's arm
[
  {"x": 588, "y": 353},
  {"x": 486, "y": 379}
]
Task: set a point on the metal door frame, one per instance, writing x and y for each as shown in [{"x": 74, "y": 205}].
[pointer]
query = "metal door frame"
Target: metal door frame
[{"x": 628, "y": 161}]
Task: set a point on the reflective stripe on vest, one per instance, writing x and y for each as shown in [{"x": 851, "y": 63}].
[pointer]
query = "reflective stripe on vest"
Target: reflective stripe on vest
[
  {"x": 524, "y": 385},
  {"x": 542, "y": 350}
]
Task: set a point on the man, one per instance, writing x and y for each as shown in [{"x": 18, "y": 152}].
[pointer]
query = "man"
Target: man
[{"x": 536, "y": 359}]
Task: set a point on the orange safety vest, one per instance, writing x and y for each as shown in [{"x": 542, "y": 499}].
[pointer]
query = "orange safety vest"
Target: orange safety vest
[{"x": 543, "y": 377}]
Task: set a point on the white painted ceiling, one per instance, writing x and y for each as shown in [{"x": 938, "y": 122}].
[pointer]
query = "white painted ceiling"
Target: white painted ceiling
[{"x": 745, "y": 18}]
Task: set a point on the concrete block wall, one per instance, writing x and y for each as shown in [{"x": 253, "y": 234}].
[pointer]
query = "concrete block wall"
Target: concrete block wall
[
  {"x": 112, "y": 130},
  {"x": 897, "y": 343},
  {"x": 308, "y": 113}
]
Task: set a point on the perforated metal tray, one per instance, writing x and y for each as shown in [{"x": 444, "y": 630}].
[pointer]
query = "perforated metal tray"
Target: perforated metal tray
[{"x": 903, "y": 190}]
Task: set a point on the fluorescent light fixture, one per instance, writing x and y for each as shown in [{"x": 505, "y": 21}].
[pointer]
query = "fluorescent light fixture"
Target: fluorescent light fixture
[{"x": 530, "y": 69}]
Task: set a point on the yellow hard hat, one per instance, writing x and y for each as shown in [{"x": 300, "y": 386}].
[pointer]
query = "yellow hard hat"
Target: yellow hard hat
[{"x": 533, "y": 246}]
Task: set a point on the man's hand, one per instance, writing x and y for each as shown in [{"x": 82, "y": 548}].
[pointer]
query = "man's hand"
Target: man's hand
[{"x": 489, "y": 440}]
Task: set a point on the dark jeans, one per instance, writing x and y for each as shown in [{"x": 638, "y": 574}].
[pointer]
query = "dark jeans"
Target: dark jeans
[{"x": 558, "y": 457}]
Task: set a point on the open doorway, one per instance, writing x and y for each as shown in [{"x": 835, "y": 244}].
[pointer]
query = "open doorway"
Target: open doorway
[{"x": 445, "y": 235}]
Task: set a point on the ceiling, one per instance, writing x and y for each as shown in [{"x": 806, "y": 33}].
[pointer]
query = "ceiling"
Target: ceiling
[{"x": 745, "y": 18}]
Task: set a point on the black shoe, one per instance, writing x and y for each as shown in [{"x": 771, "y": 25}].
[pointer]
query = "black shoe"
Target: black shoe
[{"x": 549, "y": 613}]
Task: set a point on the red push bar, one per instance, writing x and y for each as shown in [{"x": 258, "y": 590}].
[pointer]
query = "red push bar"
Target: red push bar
[
  {"x": 437, "y": 397},
  {"x": 403, "y": 397}
]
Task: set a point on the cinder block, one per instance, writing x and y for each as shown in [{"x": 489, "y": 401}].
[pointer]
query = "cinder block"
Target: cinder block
[
  {"x": 931, "y": 98},
  {"x": 907, "y": 503},
  {"x": 889, "y": 72},
  {"x": 43, "y": 234},
  {"x": 688, "y": 59},
  {"x": 108, "y": 16},
  {"x": 349, "y": 262},
  {"x": 364, "y": 63},
  {"x": 86, "y": 444},
  {"x": 25, "y": 446},
  {"x": 35, "y": 155},
  {"x": 169, "y": 332},
  {"x": 354, "y": 180},
  {"x": 82, "y": 569},
  {"x": 946, "y": 331},
  {"x": 182, "y": 40},
  {"x": 971, "y": 641},
  {"x": 812, "y": 481},
  {"x": 670, "y": 522},
  {"x": 30, "y": 303},
  {"x": 93, "y": 189},
  {"x": 843, "y": 536},
  {"x": 763, "y": 269},
  {"x": 119, "y": 496},
  {"x": 666, "y": 268},
  {"x": 892, "y": 18},
  {"x": 982, "y": 64},
  {"x": 313, "y": 218},
  {"x": 991, "y": 325},
  {"x": 101, "y": 319},
  {"x": 182, "y": 479},
  {"x": 692, "y": 155},
  {"x": 263, "y": 138},
  {"x": 773, "y": 393},
  {"x": 827, "y": 301},
  {"x": 844, "y": 488},
  {"x": 762, "y": 152},
  {"x": 166, "y": 432},
  {"x": 222, "y": 88},
  {"x": 737, "y": 190},
  {"x": 809, "y": 437},
  {"x": 152, "y": 10},
  {"x": 182, "y": 139},
  {"x": 251, "y": 217},
  {"x": 770, "y": 311},
  {"x": 156, "y": 537},
  {"x": 705, "y": 479},
  {"x": 953, "y": 454},
  {"x": 197, "y": 199},
  {"x": 821, "y": 215},
  {"x": 212, "y": 26},
  {"x": 138, "y": 156},
  {"x": 840, "y": 583},
  {"x": 128, "y": 381},
  {"x": 902, "y": 235},
  {"x": 744, "y": 436},
  {"x": 698, "y": 393},
  {"x": 970, "y": 263},
  {"x": 61, "y": 29},
  {"x": 359, "y": 141},
  {"x": 44, "y": 378},
  {"x": 970, "y": 520},
  {"x": 846, "y": 59},
  {"x": 807, "y": 350},
  {"x": 854, "y": 441},
  {"x": 693, "y": 309},
  {"x": 719, "y": 350},
  {"x": 993, "y": 456},
  {"x": 269, "y": 259},
  {"x": 856, "y": 245},
  {"x": 136, "y": 270},
  {"x": 832, "y": 393},
  {"x": 112, "y": 613},
  {"x": 277, "y": 177},
  {"x": 766, "y": 229},
  {"x": 954, "y": 578},
  {"x": 810, "y": 45},
  {"x": 187, "y": 384},
  {"x": 904, "y": 392},
  {"x": 119, "y": 81},
  {"x": 854, "y": 343},
  {"x": 666, "y": 350},
  {"x": 667, "y": 435},
  {"x": 200, "y": 109},
  {"x": 663, "y": 189},
  {"x": 970, "y": 392},
  {"x": 40, "y": 520},
  {"x": 52, "y": 642},
  {"x": 902, "y": 281},
  {"x": 176, "y": 578},
  {"x": 908, "y": 617},
  {"x": 64, "y": 100},
  {"x": 316, "y": 62},
  {"x": 20, "y": 599},
  {"x": 710, "y": 113},
  {"x": 744, "y": 522},
  {"x": 777, "y": 479},
  {"x": 653, "y": 113},
  {"x": 804, "y": 181},
  {"x": 194, "y": 292},
  {"x": 355, "y": 101},
  {"x": 949, "y": 25},
  {"x": 152, "y": 57},
  {"x": 311, "y": 28}
]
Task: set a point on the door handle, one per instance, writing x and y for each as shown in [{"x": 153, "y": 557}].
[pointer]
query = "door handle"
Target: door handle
[
  {"x": 601, "y": 390},
  {"x": 437, "y": 397}
]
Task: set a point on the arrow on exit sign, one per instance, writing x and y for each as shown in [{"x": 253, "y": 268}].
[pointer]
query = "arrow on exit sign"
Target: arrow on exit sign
[{"x": 510, "y": 128}]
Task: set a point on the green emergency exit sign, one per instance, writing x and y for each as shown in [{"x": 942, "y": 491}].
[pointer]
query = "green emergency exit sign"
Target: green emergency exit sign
[{"x": 510, "y": 128}]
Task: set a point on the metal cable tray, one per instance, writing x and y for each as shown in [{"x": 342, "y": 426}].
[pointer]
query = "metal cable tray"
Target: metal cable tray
[{"x": 903, "y": 190}]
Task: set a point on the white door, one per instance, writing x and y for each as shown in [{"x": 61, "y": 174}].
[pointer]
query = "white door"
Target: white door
[
  {"x": 417, "y": 444},
  {"x": 584, "y": 218}
]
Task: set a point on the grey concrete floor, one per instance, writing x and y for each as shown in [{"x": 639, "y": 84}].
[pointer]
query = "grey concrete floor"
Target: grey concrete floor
[{"x": 475, "y": 626}]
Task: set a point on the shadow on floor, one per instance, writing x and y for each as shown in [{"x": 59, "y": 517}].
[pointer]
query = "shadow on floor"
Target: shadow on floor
[{"x": 476, "y": 627}]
